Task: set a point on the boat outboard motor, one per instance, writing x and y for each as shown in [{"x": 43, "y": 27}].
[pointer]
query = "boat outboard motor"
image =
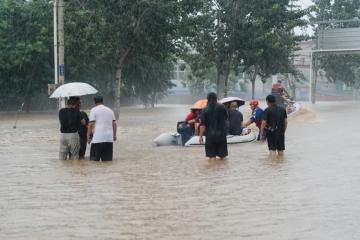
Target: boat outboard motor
[{"x": 185, "y": 131}]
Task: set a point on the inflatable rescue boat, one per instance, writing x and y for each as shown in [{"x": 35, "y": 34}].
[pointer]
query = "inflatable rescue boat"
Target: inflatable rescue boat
[{"x": 168, "y": 139}]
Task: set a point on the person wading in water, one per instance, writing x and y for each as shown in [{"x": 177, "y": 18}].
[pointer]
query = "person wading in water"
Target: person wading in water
[
  {"x": 275, "y": 123},
  {"x": 213, "y": 126}
]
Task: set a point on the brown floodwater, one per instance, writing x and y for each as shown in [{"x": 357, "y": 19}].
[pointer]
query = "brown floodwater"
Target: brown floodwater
[{"x": 151, "y": 192}]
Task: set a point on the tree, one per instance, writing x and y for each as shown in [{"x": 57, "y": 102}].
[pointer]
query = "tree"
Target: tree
[
  {"x": 148, "y": 79},
  {"x": 216, "y": 35},
  {"x": 272, "y": 39},
  {"x": 126, "y": 30},
  {"x": 26, "y": 49},
  {"x": 255, "y": 35},
  {"x": 201, "y": 75}
]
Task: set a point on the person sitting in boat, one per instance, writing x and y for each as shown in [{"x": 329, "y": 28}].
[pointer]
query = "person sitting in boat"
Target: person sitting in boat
[
  {"x": 256, "y": 115},
  {"x": 277, "y": 91},
  {"x": 277, "y": 87},
  {"x": 192, "y": 119},
  {"x": 282, "y": 97},
  {"x": 235, "y": 119}
]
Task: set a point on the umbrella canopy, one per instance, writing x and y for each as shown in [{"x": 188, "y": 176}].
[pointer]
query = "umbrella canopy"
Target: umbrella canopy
[
  {"x": 73, "y": 89},
  {"x": 199, "y": 104},
  {"x": 239, "y": 101}
]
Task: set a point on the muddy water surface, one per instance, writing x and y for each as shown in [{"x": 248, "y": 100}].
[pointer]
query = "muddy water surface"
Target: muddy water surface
[{"x": 151, "y": 192}]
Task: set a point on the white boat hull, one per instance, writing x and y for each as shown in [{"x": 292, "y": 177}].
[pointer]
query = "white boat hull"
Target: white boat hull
[
  {"x": 231, "y": 139},
  {"x": 168, "y": 139}
]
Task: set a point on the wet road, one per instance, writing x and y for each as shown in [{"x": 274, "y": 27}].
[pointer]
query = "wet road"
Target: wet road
[{"x": 152, "y": 192}]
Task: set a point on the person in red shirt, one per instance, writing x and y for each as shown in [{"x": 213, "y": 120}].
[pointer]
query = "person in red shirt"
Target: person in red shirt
[{"x": 192, "y": 118}]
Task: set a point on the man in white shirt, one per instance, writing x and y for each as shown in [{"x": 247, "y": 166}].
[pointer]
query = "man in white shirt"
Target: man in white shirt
[{"x": 101, "y": 131}]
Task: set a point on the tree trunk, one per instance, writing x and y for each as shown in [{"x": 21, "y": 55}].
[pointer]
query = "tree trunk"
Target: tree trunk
[
  {"x": 292, "y": 85},
  {"x": 117, "y": 88},
  {"x": 118, "y": 78},
  {"x": 218, "y": 83},
  {"x": 252, "y": 88},
  {"x": 226, "y": 80},
  {"x": 153, "y": 100},
  {"x": 252, "y": 80}
]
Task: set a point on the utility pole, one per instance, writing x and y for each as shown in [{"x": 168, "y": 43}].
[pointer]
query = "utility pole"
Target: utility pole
[
  {"x": 59, "y": 66},
  {"x": 61, "y": 41},
  {"x": 56, "y": 77}
]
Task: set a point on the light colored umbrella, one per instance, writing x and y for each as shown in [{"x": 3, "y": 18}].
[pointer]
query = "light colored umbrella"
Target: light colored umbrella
[
  {"x": 73, "y": 89},
  {"x": 239, "y": 101}
]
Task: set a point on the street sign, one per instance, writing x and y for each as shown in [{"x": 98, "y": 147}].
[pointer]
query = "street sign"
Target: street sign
[{"x": 339, "y": 39}]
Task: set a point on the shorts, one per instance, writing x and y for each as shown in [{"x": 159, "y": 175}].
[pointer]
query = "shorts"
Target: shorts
[
  {"x": 275, "y": 141},
  {"x": 69, "y": 146},
  {"x": 213, "y": 149},
  {"x": 101, "y": 151}
]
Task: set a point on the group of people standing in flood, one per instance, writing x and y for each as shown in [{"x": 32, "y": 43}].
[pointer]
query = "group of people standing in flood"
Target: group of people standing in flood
[
  {"x": 77, "y": 129},
  {"x": 216, "y": 121}
]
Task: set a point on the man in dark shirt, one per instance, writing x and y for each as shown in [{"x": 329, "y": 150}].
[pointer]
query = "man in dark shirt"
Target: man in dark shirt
[
  {"x": 70, "y": 120},
  {"x": 235, "y": 119},
  {"x": 275, "y": 123},
  {"x": 213, "y": 126}
]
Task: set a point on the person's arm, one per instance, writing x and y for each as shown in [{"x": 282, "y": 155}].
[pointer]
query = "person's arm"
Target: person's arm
[
  {"x": 201, "y": 134},
  {"x": 252, "y": 119},
  {"x": 247, "y": 123},
  {"x": 83, "y": 122},
  {"x": 202, "y": 128},
  {"x": 90, "y": 131},
  {"x": 190, "y": 118},
  {"x": 241, "y": 121},
  {"x": 262, "y": 129},
  {"x": 263, "y": 124},
  {"x": 114, "y": 127},
  {"x": 285, "y": 124},
  {"x": 91, "y": 125}
]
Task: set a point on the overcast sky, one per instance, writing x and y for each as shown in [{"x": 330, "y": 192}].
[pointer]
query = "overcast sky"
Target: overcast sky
[{"x": 305, "y": 3}]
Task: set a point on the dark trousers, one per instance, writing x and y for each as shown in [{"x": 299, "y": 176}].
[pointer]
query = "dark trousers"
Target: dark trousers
[
  {"x": 216, "y": 147},
  {"x": 101, "y": 151},
  {"x": 83, "y": 143},
  {"x": 276, "y": 141}
]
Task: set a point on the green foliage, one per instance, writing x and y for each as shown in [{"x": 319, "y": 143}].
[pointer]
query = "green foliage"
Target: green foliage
[
  {"x": 133, "y": 44},
  {"x": 148, "y": 78},
  {"x": 26, "y": 49},
  {"x": 135, "y": 39},
  {"x": 254, "y": 35},
  {"x": 200, "y": 80}
]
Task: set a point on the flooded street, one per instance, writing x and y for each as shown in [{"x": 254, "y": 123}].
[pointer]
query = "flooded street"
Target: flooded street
[{"x": 151, "y": 192}]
